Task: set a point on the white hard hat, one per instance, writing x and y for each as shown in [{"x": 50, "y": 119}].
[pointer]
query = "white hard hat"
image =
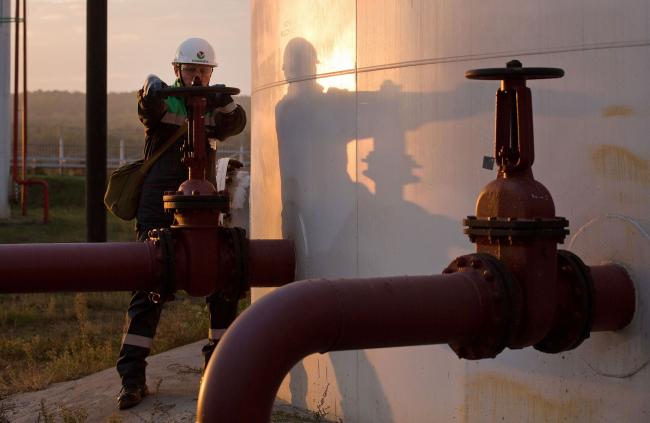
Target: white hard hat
[{"x": 196, "y": 51}]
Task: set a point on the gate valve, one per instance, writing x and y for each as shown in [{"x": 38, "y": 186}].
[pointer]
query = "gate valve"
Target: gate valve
[
  {"x": 209, "y": 256},
  {"x": 515, "y": 193},
  {"x": 196, "y": 194},
  {"x": 196, "y": 203},
  {"x": 555, "y": 299},
  {"x": 515, "y": 215}
]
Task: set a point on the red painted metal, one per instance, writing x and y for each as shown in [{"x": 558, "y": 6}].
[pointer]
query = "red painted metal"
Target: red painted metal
[
  {"x": 198, "y": 160},
  {"x": 331, "y": 315},
  {"x": 128, "y": 266},
  {"x": 271, "y": 262},
  {"x": 515, "y": 195},
  {"x": 22, "y": 181},
  {"x": 197, "y": 207},
  {"x": 14, "y": 167},
  {"x": 23, "y": 175},
  {"x": 117, "y": 266}
]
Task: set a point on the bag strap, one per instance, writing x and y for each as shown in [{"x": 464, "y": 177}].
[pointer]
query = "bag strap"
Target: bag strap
[{"x": 159, "y": 152}]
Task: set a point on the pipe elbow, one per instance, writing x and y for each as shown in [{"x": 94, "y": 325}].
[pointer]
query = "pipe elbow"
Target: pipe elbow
[
  {"x": 277, "y": 327},
  {"x": 331, "y": 315}
]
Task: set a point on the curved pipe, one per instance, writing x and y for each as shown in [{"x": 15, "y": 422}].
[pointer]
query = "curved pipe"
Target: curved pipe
[{"x": 312, "y": 316}]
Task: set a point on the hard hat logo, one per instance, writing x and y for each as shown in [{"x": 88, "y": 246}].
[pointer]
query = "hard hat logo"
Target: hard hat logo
[{"x": 195, "y": 50}]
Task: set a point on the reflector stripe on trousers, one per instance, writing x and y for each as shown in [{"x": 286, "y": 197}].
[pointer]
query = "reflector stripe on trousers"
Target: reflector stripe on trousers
[
  {"x": 137, "y": 340},
  {"x": 215, "y": 334}
]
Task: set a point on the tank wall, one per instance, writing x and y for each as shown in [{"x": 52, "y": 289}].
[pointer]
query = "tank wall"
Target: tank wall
[
  {"x": 5, "y": 110},
  {"x": 367, "y": 150}
]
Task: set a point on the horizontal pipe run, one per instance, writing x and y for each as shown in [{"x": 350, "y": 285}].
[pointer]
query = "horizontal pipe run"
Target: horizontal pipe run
[
  {"x": 312, "y": 316},
  {"x": 614, "y": 297},
  {"x": 117, "y": 266},
  {"x": 271, "y": 262}
]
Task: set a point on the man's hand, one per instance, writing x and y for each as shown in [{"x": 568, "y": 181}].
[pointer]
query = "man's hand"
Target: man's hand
[
  {"x": 152, "y": 87},
  {"x": 220, "y": 101}
]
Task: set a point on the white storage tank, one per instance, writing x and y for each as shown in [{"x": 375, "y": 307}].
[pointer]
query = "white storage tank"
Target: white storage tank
[
  {"x": 367, "y": 149},
  {"x": 5, "y": 106}
]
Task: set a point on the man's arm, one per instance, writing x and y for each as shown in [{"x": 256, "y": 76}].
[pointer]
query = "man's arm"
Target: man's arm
[
  {"x": 229, "y": 117},
  {"x": 151, "y": 105}
]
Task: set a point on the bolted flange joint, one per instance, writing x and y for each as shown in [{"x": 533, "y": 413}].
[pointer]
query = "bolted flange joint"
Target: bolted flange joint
[
  {"x": 233, "y": 262},
  {"x": 575, "y": 313},
  {"x": 502, "y": 305},
  {"x": 162, "y": 239},
  {"x": 179, "y": 202},
  {"x": 495, "y": 229}
]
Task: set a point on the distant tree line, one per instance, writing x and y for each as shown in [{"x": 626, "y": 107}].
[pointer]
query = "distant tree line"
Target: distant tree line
[{"x": 55, "y": 114}]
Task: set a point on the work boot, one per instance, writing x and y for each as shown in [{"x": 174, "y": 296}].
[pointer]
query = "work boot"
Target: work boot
[{"x": 131, "y": 395}]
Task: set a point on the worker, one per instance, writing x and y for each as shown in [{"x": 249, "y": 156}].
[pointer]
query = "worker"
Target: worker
[{"x": 162, "y": 117}]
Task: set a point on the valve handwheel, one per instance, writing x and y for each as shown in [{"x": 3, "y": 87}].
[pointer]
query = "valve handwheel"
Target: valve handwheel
[
  {"x": 198, "y": 91},
  {"x": 514, "y": 70}
]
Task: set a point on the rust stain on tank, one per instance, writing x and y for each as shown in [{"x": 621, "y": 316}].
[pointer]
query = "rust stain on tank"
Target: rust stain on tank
[
  {"x": 491, "y": 397},
  {"x": 617, "y": 110},
  {"x": 619, "y": 163}
]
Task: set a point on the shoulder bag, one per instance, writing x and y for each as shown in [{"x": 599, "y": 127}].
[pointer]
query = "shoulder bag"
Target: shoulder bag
[{"x": 125, "y": 183}]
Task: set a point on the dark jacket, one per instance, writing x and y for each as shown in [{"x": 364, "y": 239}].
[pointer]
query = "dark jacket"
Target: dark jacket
[{"x": 161, "y": 118}]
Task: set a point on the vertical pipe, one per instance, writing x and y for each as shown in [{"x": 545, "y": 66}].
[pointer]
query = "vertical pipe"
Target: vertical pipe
[
  {"x": 24, "y": 187},
  {"x": 96, "y": 51},
  {"x": 14, "y": 167}
]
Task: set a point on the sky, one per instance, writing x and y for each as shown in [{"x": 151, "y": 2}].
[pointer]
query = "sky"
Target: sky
[{"x": 142, "y": 39}]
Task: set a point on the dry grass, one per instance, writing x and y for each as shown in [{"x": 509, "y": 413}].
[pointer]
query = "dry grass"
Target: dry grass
[{"x": 50, "y": 338}]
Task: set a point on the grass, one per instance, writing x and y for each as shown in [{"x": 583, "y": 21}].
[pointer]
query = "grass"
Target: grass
[
  {"x": 50, "y": 338},
  {"x": 67, "y": 216}
]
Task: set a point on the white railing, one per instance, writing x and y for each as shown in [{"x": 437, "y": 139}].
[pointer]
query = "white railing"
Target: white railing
[{"x": 73, "y": 156}]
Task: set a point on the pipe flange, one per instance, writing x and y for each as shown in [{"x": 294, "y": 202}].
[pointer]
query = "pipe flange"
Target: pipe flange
[
  {"x": 512, "y": 227},
  {"x": 235, "y": 258},
  {"x": 500, "y": 289},
  {"x": 575, "y": 314},
  {"x": 179, "y": 203},
  {"x": 164, "y": 239}
]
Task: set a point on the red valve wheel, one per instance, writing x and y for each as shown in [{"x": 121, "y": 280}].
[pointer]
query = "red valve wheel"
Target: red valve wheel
[
  {"x": 198, "y": 91},
  {"x": 514, "y": 70}
]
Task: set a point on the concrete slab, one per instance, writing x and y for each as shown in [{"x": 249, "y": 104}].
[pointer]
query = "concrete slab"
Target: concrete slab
[{"x": 173, "y": 380}]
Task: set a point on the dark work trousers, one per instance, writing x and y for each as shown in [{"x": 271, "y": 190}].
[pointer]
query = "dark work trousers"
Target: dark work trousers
[{"x": 142, "y": 319}]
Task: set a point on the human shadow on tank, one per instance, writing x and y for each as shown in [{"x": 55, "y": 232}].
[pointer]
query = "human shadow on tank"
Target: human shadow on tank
[
  {"x": 348, "y": 223},
  {"x": 316, "y": 131}
]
